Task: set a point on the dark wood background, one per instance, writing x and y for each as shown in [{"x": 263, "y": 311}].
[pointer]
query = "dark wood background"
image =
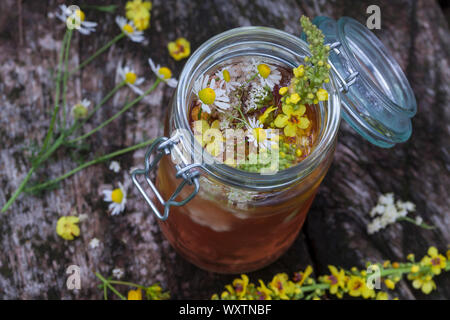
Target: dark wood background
[{"x": 33, "y": 258}]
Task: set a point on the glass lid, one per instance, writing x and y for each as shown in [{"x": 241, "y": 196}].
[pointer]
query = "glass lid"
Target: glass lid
[{"x": 377, "y": 100}]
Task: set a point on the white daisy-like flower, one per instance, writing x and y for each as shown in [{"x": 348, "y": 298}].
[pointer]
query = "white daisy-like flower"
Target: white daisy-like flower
[
  {"x": 131, "y": 80},
  {"x": 118, "y": 199},
  {"x": 114, "y": 166},
  {"x": 74, "y": 18},
  {"x": 225, "y": 78},
  {"x": 118, "y": 273},
  {"x": 268, "y": 75},
  {"x": 164, "y": 73},
  {"x": 129, "y": 29},
  {"x": 94, "y": 243},
  {"x": 210, "y": 94},
  {"x": 257, "y": 135},
  {"x": 80, "y": 110}
]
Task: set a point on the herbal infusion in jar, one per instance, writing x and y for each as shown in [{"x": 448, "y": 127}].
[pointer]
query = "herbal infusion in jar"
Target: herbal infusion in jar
[{"x": 258, "y": 116}]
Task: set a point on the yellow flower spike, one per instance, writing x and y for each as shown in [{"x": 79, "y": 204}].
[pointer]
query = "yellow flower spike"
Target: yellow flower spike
[
  {"x": 262, "y": 118},
  {"x": 165, "y": 72},
  {"x": 130, "y": 77},
  {"x": 322, "y": 94},
  {"x": 117, "y": 195},
  {"x": 67, "y": 227},
  {"x": 179, "y": 49},
  {"x": 389, "y": 284},
  {"x": 135, "y": 294},
  {"x": 264, "y": 70},
  {"x": 207, "y": 95},
  {"x": 226, "y": 75},
  {"x": 283, "y": 91}
]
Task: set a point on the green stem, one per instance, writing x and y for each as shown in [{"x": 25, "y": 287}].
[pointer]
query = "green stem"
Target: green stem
[
  {"x": 56, "y": 105},
  {"x": 125, "y": 283},
  {"x": 87, "y": 164},
  {"x": 103, "y": 101},
  {"x": 124, "y": 109},
  {"x": 106, "y": 283},
  {"x": 97, "y": 53},
  {"x": 422, "y": 225},
  {"x": 19, "y": 189},
  {"x": 66, "y": 76}
]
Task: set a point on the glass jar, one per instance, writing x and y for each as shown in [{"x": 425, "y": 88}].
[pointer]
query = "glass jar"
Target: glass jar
[{"x": 226, "y": 220}]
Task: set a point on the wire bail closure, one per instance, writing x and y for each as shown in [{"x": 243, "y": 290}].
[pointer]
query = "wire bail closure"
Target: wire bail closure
[
  {"x": 165, "y": 146},
  {"x": 344, "y": 84}
]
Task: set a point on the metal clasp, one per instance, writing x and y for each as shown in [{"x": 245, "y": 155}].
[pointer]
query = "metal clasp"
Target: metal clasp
[
  {"x": 165, "y": 146},
  {"x": 344, "y": 84}
]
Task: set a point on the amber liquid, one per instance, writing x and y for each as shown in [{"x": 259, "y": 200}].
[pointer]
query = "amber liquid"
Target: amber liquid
[{"x": 210, "y": 234}]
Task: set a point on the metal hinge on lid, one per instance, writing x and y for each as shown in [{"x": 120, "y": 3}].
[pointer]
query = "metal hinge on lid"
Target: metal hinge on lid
[
  {"x": 165, "y": 146},
  {"x": 344, "y": 84}
]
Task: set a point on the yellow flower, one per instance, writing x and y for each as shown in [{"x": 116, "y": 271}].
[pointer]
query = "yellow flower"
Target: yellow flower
[
  {"x": 135, "y": 294},
  {"x": 139, "y": 12},
  {"x": 300, "y": 277},
  {"x": 299, "y": 71},
  {"x": 390, "y": 284},
  {"x": 357, "y": 287},
  {"x": 263, "y": 292},
  {"x": 415, "y": 268},
  {"x": 283, "y": 91},
  {"x": 264, "y": 70},
  {"x": 67, "y": 227},
  {"x": 426, "y": 284},
  {"x": 179, "y": 49},
  {"x": 240, "y": 286},
  {"x": 437, "y": 260},
  {"x": 322, "y": 94},
  {"x": 381, "y": 295},
  {"x": 292, "y": 119},
  {"x": 336, "y": 280},
  {"x": 262, "y": 118},
  {"x": 280, "y": 285}
]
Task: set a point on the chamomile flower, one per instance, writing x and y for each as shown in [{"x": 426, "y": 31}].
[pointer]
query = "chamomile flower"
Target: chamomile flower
[
  {"x": 268, "y": 75},
  {"x": 225, "y": 77},
  {"x": 118, "y": 199},
  {"x": 129, "y": 29},
  {"x": 163, "y": 73},
  {"x": 256, "y": 134},
  {"x": 131, "y": 80},
  {"x": 210, "y": 94},
  {"x": 75, "y": 19},
  {"x": 80, "y": 110},
  {"x": 114, "y": 166}
]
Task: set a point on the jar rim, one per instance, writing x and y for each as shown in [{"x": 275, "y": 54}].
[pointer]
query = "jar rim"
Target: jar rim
[{"x": 329, "y": 114}]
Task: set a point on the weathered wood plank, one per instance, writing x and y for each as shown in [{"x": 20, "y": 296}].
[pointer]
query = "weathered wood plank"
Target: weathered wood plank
[{"x": 33, "y": 258}]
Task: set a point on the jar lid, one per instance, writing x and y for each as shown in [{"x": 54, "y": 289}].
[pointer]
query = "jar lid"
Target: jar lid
[{"x": 377, "y": 100}]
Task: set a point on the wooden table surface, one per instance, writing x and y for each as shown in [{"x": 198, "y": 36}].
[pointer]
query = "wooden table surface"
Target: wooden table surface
[{"x": 33, "y": 259}]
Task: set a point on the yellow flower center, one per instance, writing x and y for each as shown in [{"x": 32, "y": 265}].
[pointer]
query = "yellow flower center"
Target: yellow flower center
[
  {"x": 207, "y": 96},
  {"x": 165, "y": 72},
  {"x": 80, "y": 15},
  {"x": 128, "y": 28},
  {"x": 260, "y": 134},
  {"x": 264, "y": 70},
  {"x": 117, "y": 195},
  {"x": 226, "y": 75},
  {"x": 130, "y": 77}
]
